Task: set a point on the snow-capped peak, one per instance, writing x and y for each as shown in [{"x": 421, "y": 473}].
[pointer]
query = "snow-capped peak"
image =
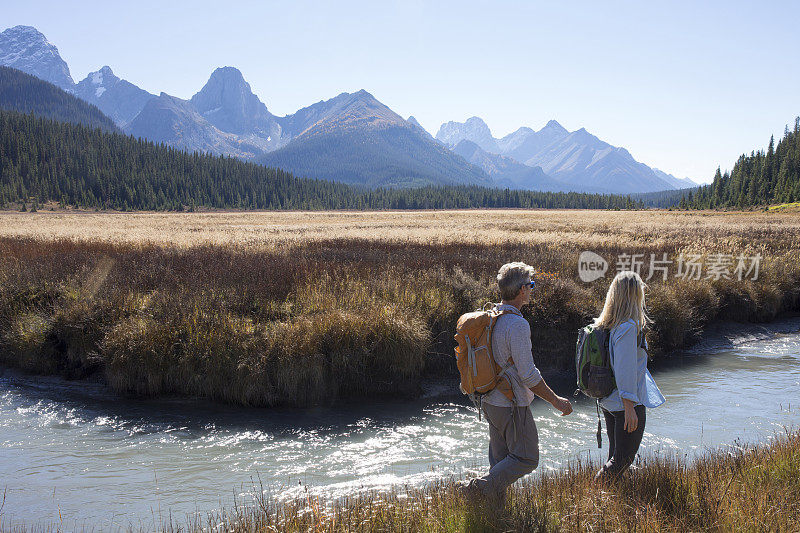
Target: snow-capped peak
[
  {"x": 101, "y": 80},
  {"x": 102, "y": 75},
  {"x": 473, "y": 129},
  {"x": 26, "y": 49}
]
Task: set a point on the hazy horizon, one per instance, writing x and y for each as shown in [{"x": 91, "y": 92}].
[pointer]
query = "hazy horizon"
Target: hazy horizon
[{"x": 684, "y": 88}]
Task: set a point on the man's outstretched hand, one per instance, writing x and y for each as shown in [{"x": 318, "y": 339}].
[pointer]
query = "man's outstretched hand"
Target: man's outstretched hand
[
  {"x": 546, "y": 393},
  {"x": 563, "y": 405}
]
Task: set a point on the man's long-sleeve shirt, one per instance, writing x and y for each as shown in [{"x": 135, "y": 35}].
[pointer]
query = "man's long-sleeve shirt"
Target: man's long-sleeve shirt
[{"x": 511, "y": 338}]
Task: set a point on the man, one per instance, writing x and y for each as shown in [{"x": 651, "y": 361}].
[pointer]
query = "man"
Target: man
[{"x": 513, "y": 438}]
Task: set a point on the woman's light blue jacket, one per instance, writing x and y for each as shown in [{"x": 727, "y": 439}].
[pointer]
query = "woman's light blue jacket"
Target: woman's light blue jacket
[{"x": 629, "y": 363}]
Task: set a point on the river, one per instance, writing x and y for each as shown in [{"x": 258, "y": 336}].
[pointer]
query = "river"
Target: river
[{"x": 75, "y": 455}]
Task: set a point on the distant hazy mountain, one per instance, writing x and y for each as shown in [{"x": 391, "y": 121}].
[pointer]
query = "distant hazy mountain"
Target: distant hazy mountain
[
  {"x": 413, "y": 121},
  {"x": 117, "y": 98},
  {"x": 357, "y": 139},
  {"x": 578, "y": 160},
  {"x": 298, "y": 122},
  {"x": 224, "y": 117},
  {"x": 512, "y": 141},
  {"x": 25, "y": 49},
  {"x": 358, "y": 110},
  {"x": 351, "y": 137},
  {"x": 25, "y": 93},
  {"x": 582, "y": 160},
  {"x": 680, "y": 183},
  {"x": 525, "y": 143},
  {"x": 170, "y": 120},
  {"x": 474, "y": 129},
  {"x": 507, "y": 172},
  {"x": 227, "y": 102}
]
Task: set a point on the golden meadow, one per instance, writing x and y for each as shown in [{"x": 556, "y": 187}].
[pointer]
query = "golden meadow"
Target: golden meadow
[{"x": 301, "y": 308}]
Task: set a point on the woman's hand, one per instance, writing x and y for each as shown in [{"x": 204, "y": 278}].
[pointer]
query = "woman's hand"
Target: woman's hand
[{"x": 631, "y": 419}]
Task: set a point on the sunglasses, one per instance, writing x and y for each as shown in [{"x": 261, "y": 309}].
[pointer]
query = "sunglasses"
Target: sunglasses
[{"x": 533, "y": 284}]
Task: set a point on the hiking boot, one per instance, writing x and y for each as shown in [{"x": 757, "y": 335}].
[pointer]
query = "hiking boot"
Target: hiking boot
[{"x": 468, "y": 490}]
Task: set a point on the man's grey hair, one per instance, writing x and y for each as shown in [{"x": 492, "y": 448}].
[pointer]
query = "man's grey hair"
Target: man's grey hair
[{"x": 511, "y": 277}]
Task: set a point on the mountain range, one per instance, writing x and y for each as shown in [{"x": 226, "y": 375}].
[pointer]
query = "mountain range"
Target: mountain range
[
  {"x": 121, "y": 100},
  {"x": 356, "y": 139},
  {"x": 24, "y": 93},
  {"x": 353, "y": 137},
  {"x": 577, "y": 160},
  {"x": 25, "y": 49},
  {"x": 507, "y": 172}
]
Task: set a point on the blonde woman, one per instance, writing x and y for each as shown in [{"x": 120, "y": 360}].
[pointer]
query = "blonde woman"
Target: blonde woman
[{"x": 624, "y": 409}]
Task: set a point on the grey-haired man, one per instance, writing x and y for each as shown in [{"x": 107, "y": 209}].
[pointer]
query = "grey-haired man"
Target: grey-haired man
[{"x": 513, "y": 438}]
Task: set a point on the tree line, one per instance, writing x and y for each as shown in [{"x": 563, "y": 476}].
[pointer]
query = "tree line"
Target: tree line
[
  {"x": 43, "y": 160},
  {"x": 28, "y": 94},
  {"x": 762, "y": 178}
]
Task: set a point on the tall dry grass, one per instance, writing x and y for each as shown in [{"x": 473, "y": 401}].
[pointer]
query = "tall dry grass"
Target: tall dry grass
[
  {"x": 740, "y": 488},
  {"x": 582, "y": 228},
  {"x": 345, "y": 304}
]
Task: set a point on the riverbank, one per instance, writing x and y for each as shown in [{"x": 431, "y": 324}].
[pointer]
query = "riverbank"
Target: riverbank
[
  {"x": 348, "y": 306},
  {"x": 737, "y": 488},
  {"x": 79, "y": 455}
]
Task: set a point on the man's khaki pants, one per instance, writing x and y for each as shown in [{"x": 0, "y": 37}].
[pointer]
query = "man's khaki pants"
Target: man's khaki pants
[{"x": 513, "y": 448}]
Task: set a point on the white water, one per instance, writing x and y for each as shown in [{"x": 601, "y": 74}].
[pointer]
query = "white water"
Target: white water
[{"x": 76, "y": 455}]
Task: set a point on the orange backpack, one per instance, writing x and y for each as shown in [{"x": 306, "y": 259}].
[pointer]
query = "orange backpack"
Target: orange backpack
[{"x": 480, "y": 373}]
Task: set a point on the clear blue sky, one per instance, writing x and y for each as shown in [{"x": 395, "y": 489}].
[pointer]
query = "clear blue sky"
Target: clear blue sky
[{"x": 684, "y": 86}]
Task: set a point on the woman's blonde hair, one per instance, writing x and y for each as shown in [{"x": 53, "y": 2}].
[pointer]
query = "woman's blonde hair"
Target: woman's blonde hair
[{"x": 624, "y": 300}]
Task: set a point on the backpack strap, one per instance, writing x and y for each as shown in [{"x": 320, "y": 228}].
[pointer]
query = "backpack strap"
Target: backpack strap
[
  {"x": 493, "y": 323},
  {"x": 512, "y": 311},
  {"x": 504, "y": 367},
  {"x": 599, "y": 426},
  {"x": 606, "y": 345},
  {"x": 640, "y": 335}
]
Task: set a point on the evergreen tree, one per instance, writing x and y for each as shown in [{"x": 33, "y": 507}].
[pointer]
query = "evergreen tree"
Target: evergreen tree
[
  {"x": 86, "y": 167},
  {"x": 28, "y": 94},
  {"x": 760, "y": 179}
]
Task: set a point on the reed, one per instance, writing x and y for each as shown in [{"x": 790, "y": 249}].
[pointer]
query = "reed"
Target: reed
[
  {"x": 342, "y": 305},
  {"x": 739, "y": 488}
]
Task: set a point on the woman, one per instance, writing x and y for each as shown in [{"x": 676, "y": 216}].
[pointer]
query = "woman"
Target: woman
[{"x": 624, "y": 409}]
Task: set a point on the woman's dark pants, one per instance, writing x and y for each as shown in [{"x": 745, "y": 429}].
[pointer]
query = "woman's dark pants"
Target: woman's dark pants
[{"x": 622, "y": 445}]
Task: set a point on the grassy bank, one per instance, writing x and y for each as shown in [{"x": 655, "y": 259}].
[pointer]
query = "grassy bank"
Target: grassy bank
[
  {"x": 793, "y": 206},
  {"x": 327, "y": 306},
  {"x": 733, "y": 489}
]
